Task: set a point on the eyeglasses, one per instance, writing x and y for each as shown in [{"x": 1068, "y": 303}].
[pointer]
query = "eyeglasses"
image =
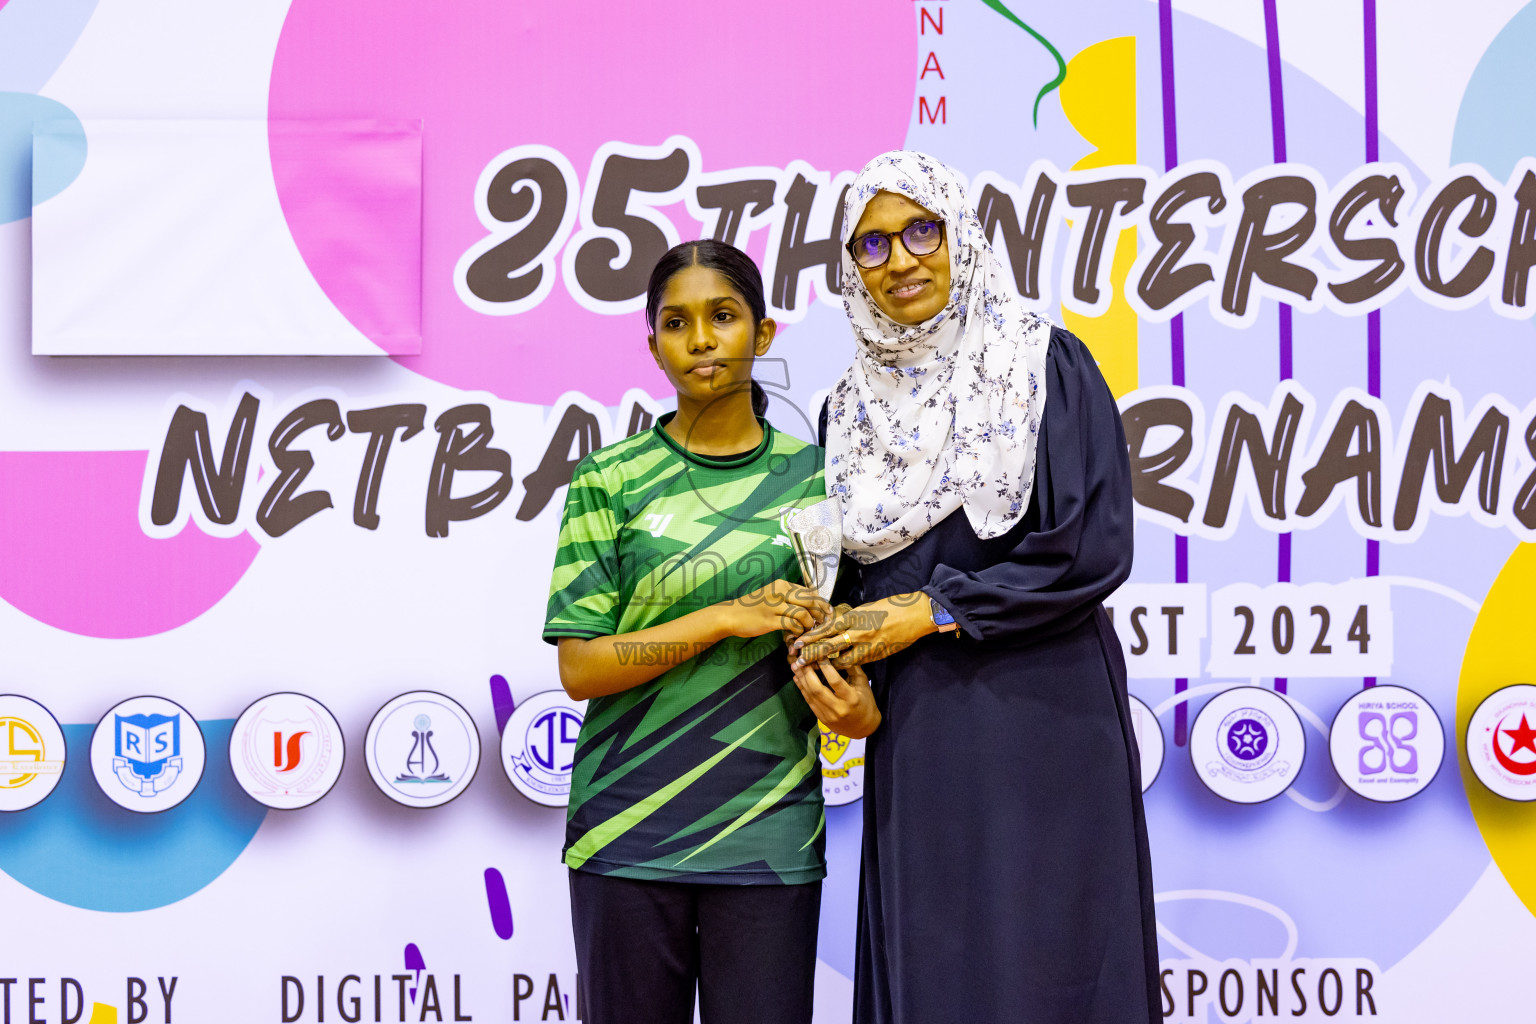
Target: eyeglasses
[{"x": 921, "y": 238}]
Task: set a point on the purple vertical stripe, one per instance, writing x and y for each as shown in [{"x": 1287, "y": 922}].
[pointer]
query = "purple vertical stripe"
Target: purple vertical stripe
[
  {"x": 1286, "y": 365},
  {"x": 1372, "y": 142},
  {"x": 1277, "y": 132},
  {"x": 1180, "y": 575},
  {"x": 1170, "y": 114},
  {"x": 1180, "y": 542},
  {"x": 1373, "y": 319},
  {"x": 1372, "y": 154},
  {"x": 1276, "y": 90},
  {"x": 1170, "y": 159},
  {"x": 1373, "y": 352},
  {"x": 1176, "y": 328},
  {"x": 1373, "y": 385},
  {"x": 1180, "y": 715},
  {"x": 1284, "y": 576},
  {"x": 1176, "y": 345}
]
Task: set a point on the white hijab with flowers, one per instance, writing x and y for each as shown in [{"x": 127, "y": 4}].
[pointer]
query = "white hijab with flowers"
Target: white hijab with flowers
[{"x": 943, "y": 414}]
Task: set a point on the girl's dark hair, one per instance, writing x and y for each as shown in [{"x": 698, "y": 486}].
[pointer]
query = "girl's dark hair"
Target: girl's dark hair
[{"x": 732, "y": 264}]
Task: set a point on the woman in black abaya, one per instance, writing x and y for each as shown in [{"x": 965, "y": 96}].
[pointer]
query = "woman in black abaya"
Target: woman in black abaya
[{"x": 980, "y": 465}]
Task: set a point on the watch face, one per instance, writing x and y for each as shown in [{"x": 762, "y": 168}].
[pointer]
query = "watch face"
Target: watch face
[{"x": 941, "y": 616}]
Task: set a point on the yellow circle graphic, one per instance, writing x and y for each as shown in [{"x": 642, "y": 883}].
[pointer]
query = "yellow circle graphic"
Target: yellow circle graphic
[{"x": 1499, "y": 654}]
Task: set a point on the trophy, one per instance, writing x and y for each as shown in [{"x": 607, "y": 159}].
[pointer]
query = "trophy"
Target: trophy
[{"x": 816, "y": 534}]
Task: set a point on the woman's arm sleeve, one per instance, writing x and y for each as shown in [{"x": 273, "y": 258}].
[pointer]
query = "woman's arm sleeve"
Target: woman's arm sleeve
[{"x": 1082, "y": 549}]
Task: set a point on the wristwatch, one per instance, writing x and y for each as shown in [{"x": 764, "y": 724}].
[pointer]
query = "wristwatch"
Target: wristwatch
[{"x": 942, "y": 619}]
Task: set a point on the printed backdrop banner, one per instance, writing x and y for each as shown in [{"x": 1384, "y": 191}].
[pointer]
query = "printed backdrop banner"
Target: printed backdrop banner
[
  {"x": 283, "y": 742},
  {"x": 171, "y": 241}
]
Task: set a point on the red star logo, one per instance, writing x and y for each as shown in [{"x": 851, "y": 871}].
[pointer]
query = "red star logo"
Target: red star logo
[{"x": 1524, "y": 737}]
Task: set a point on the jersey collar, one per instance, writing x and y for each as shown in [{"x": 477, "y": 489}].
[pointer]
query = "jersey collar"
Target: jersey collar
[{"x": 712, "y": 461}]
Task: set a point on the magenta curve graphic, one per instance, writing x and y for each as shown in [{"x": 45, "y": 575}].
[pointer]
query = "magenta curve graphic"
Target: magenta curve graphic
[
  {"x": 77, "y": 559},
  {"x": 488, "y": 80}
]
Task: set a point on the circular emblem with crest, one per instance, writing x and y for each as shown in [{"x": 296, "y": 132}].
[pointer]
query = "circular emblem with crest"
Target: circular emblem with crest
[{"x": 538, "y": 746}]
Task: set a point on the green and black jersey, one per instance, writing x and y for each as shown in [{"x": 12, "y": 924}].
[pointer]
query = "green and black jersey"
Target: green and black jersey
[{"x": 709, "y": 772}]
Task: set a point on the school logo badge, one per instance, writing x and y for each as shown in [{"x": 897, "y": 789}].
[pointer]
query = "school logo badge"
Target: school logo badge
[
  {"x": 1149, "y": 742},
  {"x": 1386, "y": 743},
  {"x": 842, "y": 768},
  {"x": 286, "y": 751},
  {"x": 147, "y": 754},
  {"x": 538, "y": 746},
  {"x": 31, "y": 752},
  {"x": 1247, "y": 744},
  {"x": 1501, "y": 742},
  {"x": 422, "y": 749}
]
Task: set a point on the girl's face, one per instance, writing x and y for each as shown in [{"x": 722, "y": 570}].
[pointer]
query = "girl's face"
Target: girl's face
[
  {"x": 705, "y": 340},
  {"x": 909, "y": 289}
]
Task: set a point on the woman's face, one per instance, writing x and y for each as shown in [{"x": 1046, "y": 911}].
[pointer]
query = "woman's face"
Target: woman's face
[
  {"x": 705, "y": 340},
  {"x": 908, "y": 289}
]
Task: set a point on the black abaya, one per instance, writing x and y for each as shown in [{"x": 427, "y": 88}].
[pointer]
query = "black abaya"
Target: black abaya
[{"x": 1006, "y": 874}]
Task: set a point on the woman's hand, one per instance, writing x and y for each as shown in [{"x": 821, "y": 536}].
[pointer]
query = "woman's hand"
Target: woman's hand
[
  {"x": 844, "y": 705},
  {"x": 777, "y": 605},
  {"x": 867, "y": 633},
  {"x": 605, "y": 665}
]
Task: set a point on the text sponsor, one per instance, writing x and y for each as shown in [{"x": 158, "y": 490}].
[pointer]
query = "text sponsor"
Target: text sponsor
[{"x": 1197, "y": 991}]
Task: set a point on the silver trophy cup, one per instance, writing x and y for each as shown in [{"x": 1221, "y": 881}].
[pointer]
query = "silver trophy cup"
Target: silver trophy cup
[{"x": 817, "y": 536}]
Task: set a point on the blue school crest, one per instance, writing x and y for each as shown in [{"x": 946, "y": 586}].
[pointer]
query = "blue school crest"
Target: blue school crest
[{"x": 148, "y": 752}]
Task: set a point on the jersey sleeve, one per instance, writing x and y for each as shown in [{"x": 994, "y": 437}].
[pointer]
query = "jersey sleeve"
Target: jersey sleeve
[{"x": 584, "y": 588}]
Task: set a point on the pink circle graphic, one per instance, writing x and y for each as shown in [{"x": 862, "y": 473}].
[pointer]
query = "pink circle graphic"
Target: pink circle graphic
[
  {"x": 753, "y": 86},
  {"x": 76, "y": 558}
]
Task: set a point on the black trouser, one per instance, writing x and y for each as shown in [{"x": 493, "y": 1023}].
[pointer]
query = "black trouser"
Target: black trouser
[{"x": 642, "y": 946}]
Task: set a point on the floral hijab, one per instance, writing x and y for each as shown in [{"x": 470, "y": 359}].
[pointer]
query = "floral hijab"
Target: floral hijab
[{"x": 943, "y": 414}]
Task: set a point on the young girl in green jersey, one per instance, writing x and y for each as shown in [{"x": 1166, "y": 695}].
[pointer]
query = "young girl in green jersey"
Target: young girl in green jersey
[{"x": 695, "y": 832}]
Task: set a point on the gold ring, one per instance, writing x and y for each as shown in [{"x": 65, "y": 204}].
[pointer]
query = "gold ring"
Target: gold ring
[{"x": 847, "y": 639}]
